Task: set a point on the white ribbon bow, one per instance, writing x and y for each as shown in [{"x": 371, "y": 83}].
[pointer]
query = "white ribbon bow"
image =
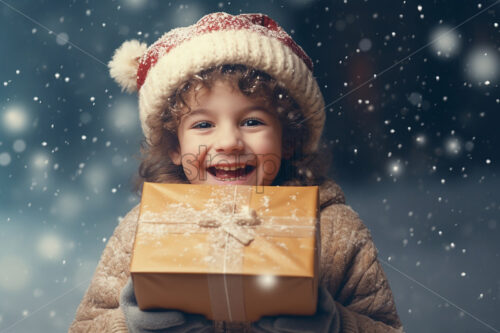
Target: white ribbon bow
[{"x": 235, "y": 222}]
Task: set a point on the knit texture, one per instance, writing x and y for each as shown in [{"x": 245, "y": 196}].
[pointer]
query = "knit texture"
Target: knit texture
[
  {"x": 254, "y": 40},
  {"x": 348, "y": 268}
]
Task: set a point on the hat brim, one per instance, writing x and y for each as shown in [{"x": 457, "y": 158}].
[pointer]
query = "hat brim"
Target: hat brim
[{"x": 234, "y": 47}]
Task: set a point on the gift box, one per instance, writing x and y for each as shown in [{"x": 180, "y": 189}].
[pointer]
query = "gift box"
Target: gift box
[{"x": 230, "y": 252}]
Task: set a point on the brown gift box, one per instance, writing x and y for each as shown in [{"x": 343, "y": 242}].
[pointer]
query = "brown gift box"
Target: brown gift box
[{"x": 230, "y": 252}]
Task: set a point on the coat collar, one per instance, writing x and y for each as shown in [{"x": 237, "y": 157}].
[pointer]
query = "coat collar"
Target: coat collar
[{"x": 330, "y": 193}]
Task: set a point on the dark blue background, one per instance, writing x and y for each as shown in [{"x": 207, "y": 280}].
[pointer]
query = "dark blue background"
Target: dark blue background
[{"x": 416, "y": 155}]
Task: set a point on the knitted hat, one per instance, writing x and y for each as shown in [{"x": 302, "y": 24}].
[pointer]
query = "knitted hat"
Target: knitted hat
[{"x": 254, "y": 40}]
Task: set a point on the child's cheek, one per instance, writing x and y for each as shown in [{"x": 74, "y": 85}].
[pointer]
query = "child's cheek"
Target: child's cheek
[
  {"x": 269, "y": 141},
  {"x": 191, "y": 155},
  {"x": 270, "y": 166},
  {"x": 190, "y": 167}
]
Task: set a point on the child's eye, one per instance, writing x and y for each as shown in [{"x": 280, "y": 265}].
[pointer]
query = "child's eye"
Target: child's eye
[
  {"x": 253, "y": 122},
  {"x": 202, "y": 124}
]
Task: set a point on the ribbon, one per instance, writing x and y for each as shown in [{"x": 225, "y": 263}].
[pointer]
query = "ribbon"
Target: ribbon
[{"x": 236, "y": 224}]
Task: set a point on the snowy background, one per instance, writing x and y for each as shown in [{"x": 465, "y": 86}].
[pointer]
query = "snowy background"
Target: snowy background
[{"x": 412, "y": 119}]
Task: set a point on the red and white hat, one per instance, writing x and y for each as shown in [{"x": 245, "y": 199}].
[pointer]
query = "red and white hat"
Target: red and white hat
[{"x": 254, "y": 40}]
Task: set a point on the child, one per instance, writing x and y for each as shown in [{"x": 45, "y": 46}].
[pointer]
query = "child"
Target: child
[{"x": 237, "y": 91}]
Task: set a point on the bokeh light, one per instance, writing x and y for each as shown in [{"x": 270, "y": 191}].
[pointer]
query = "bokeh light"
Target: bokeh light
[
  {"x": 421, "y": 140},
  {"x": 445, "y": 42},
  {"x": 124, "y": 116},
  {"x": 67, "y": 206},
  {"x": 19, "y": 146},
  {"x": 453, "y": 146},
  {"x": 49, "y": 246},
  {"x": 62, "y": 38},
  {"x": 40, "y": 160},
  {"x": 395, "y": 168},
  {"x": 5, "y": 159},
  {"x": 96, "y": 178},
  {"x": 365, "y": 44},
  {"x": 15, "y": 119},
  {"x": 134, "y": 4},
  {"x": 15, "y": 273},
  {"x": 266, "y": 281},
  {"x": 482, "y": 65}
]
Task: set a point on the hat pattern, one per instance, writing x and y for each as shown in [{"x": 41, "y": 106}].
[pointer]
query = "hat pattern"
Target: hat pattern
[{"x": 254, "y": 40}]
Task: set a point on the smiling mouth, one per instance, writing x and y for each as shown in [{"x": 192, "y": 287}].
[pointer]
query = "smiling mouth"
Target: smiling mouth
[{"x": 222, "y": 173}]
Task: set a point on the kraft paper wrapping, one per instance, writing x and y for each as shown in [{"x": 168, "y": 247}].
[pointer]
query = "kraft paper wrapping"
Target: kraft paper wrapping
[{"x": 229, "y": 252}]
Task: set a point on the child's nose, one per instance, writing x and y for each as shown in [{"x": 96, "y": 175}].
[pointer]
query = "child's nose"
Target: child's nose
[{"x": 229, "y": 141}]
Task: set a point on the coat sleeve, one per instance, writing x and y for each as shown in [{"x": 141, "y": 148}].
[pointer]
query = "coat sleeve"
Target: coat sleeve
[
  {"x": 99, "y": 310},
  {"x": 353, "y": 275}
]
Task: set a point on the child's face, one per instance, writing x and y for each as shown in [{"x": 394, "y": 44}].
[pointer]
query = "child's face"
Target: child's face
[{"x": 228, "y": 129}]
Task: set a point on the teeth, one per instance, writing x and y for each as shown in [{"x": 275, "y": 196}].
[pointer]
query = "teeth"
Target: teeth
[
  {"x": 225, "y": 168},
  {"x": 230, "y": 168},
  {"x": 230, "y": 179}
]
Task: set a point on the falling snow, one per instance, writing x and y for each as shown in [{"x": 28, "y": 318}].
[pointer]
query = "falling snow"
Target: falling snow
[{"x": 412, "y": 99}]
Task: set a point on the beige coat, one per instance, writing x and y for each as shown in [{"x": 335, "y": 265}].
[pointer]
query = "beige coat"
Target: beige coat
[{"x": 349, "y": 269}]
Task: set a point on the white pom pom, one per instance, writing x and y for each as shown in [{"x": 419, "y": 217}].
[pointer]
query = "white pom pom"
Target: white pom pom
[{"x": 123, "y": 66}]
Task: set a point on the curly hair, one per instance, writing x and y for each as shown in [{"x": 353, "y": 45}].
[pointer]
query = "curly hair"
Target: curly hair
[{"x": 297, "y": 169}]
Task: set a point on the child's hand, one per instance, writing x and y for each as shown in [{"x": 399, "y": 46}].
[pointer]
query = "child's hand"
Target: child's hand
[
  {"x": 326, "y": 319},
  {"x": 173, "y": 321}
]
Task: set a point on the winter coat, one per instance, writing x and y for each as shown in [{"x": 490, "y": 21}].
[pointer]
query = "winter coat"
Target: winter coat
[{"x": 349, "y": 269}]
